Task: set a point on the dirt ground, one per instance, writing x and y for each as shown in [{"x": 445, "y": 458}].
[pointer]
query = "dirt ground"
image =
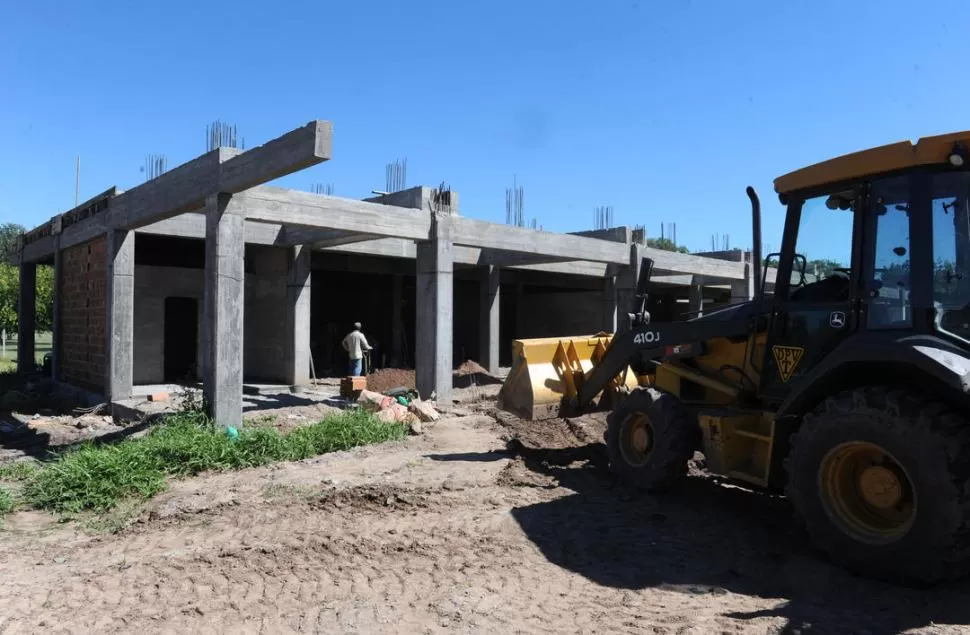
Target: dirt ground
[{"x": 484, "y": 524}]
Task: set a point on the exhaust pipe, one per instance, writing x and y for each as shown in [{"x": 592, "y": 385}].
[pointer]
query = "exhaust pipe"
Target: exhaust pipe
[{"x": 756, "y": 239}]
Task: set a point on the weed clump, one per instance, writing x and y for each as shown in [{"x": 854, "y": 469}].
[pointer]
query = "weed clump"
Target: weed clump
[{"x": 96, "y": 477}]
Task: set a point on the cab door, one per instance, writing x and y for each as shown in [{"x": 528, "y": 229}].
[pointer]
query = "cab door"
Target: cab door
[{"x": 815, "y": 303}]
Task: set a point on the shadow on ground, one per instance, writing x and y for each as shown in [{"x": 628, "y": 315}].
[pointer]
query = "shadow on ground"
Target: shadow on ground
[
  {"x": 709, "y": 539},
  {"x": 274, "y": 401}
]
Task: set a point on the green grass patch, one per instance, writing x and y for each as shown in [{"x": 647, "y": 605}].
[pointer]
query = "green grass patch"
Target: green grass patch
[
  {"x": 6, "y": 501},
  {"x": 97, "y": 477},
  {"x": 19, "y": 471}
]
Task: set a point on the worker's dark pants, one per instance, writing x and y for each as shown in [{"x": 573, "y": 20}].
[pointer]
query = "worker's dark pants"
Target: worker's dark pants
[{"x": 355, "y": 367}]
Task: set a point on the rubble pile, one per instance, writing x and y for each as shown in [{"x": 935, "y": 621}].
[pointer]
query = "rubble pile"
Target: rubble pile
[{"x": 399, "y": 406}]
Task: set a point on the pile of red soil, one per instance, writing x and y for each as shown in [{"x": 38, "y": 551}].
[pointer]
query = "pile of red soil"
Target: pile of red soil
[{"x": 389, "y": 379}]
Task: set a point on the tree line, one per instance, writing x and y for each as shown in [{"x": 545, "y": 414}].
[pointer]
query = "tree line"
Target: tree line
[{"x": 10, "y": 285}]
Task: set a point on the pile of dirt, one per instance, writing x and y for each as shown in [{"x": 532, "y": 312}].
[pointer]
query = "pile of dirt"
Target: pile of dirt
[
  {"x": 375, "y": 497},
  {"x": 470, "y": 367},
  {"x": 390, "y": 378},
  {"x": 552, "y": 433}
]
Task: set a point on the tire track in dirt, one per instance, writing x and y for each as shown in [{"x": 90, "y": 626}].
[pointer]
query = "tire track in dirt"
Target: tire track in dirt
[
  {"x": 362, "y": 570},
  {"x": 545, "y": 543}
]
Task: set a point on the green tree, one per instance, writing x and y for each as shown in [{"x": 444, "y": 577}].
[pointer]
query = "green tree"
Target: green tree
[
  {"x": 10, "y": 298},
  {"x": 666, "y": 244},
  {"x": 8, "y": 240}
]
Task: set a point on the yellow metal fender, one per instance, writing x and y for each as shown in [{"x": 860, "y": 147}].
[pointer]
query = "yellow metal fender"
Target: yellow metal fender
[{"x": 546, "y": 370}]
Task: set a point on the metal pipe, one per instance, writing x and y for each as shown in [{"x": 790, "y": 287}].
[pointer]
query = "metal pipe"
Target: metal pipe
[{"x": 756, "y": 239}]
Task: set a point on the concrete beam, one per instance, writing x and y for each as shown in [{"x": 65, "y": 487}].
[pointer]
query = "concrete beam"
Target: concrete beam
[
  {"x": 419, "y": 197},
  {"x": 674, "y": 262},
  {"x": 398, "y": 248},
  {"x": 37, "y": 251},
  {"x": 192, "y": 225},
  {"x": 179, "y": 190},
  {"x": 435, "y": 314},
  {"x": 119, "y": 352},
  {"x": 298, "y": 316},
  {"x": 615, "y": 234},
  {"x": 294, "y": 151},
  {"x": 504, "y": 259},
  {"x": 488, "y": 320},
  {"x": 476, "y": 233},
  {"x": 321, "y": 239},
  {"x": 186, "y": 187},
  {"x": 304, "y": 209},
  {"x": 223, "y": 313},
  {"x": 26, "y": 315}
]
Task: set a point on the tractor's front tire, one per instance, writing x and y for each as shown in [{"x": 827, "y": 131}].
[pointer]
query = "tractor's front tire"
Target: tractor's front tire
[
  {"x": 881, "y": 480},
  {"x": 650, "y": 438}
]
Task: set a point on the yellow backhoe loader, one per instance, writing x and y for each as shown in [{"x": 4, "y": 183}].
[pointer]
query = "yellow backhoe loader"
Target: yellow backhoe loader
[{"x": 847, "y": 387}]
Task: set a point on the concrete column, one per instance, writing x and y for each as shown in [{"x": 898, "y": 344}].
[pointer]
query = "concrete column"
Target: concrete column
[
  {"x": 56, "y": 313},
  {"x": 695, "y": 297},
  {"x": 397, "y": 321},
  {"x": 119, "y": 352},
  {"x": 298, "y": 315},
  {"x": 225, "y": 251},
  {"x": 743, "y": 290},
  {"x": 26, "y": 316},
  {"x": 626, "y": 287},
  {"x": 609, "y": 305},
  {"x": 435, "y": 315},
  {"x": 488, "y": 320}
]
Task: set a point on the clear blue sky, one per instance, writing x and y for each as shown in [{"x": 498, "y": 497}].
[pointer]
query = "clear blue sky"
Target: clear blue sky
[{"x": 664, "y": 110}]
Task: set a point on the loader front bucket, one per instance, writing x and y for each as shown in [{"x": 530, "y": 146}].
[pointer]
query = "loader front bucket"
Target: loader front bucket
[{"x": 547, "y": 370}]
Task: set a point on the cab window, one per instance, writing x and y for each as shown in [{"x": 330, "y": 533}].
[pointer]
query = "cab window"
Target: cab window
[
  {"x": 888, "y": 282},
  {"x": 823, "y": 249},
  {"x": 951, "y": 253}
]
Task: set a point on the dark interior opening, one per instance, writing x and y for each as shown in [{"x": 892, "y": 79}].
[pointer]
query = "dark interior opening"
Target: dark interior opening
[{"x": 181, "y": 339}]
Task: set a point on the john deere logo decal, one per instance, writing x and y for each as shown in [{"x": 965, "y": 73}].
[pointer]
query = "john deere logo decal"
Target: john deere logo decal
[{"x": 787, "y": 358}]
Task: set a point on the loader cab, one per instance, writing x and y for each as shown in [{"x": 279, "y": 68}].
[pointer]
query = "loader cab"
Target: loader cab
[{"x": 883, "y": 255}]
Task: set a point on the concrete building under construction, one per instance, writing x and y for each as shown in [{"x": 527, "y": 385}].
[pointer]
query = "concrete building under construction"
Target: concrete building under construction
[{"x": 203, "y": 272}]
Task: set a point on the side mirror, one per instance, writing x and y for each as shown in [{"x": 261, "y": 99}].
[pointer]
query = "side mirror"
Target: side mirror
[
  {"x": 799, "y": 265},
  {"x": 769, "y": 269}
]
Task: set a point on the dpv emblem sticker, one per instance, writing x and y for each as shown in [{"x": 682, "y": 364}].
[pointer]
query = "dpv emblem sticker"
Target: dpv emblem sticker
[{"x": 787, "y": 358}]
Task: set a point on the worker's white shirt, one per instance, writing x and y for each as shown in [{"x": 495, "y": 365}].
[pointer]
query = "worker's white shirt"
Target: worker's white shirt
[{"x": 355, "y": 343}]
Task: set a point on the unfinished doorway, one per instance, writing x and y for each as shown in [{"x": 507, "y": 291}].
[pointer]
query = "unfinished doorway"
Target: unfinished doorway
[{"x": 181, "y": 339}]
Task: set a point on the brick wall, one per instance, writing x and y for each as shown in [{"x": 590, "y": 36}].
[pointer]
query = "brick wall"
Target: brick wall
[{"x": 83, "y": 288}]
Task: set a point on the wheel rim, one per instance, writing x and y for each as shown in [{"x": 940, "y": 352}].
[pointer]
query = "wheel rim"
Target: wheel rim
[
  {"x": 636, "y": 440},
  {"x": 867, "y": 492}
]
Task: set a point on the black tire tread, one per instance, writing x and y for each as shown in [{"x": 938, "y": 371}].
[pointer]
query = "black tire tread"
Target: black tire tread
[
  {"x": 914, "y": 420},
  {"x": 675, "y": 439}
]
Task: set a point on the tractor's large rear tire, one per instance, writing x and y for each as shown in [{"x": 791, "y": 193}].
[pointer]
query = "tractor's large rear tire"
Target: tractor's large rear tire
[
  {"x": 650, "y": 439},
  {"x": 881, "y": 480}
]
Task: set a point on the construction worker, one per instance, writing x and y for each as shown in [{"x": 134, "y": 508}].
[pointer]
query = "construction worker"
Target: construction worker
[{"x": 355, "y": 344}]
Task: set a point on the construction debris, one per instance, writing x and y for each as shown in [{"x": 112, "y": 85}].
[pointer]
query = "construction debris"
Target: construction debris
[
  {"x": 401, "y": 406},
  {"x": 424, "y": 411}
]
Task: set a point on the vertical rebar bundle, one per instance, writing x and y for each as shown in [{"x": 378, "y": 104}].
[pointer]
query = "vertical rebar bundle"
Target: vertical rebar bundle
[
  {"x": 396, "y": 175},
  {"x": 724, "y": 244},
  {"x": 603, "y": 217},
  {"x": 155, "y": 166},
  {"x": 514, "y": 204},
  {"x": 222, "y": 135},
  {"x": 441, "y": 199},
  {"x": 321, "y": 188}
]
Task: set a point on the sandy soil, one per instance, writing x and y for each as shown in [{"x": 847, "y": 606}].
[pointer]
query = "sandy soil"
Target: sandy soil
[{"x": 477, "y": 526}]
